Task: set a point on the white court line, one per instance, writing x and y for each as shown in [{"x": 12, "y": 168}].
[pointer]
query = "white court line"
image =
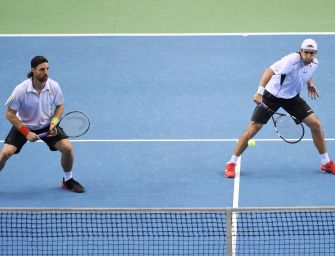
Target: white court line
[
  {"x": 181, "y": 140},
  {"x": 170, "y": 34},
  {"x": 236, "y": 195},
  {"x": 171, "y": 140},
  {"x": 237, "y": 183}
]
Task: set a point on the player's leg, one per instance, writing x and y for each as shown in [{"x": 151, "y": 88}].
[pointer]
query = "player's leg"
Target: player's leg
[
  {"x": 67, "y": 158},
  {"x": 313, "y": 123},
  {"x": 13, "y": 145},
  {"x": 317, "y": 134},
  {"x": 300, "y": 109},
  {"x": 259, "y": 117},
  {"x": 64, "y": 146},
  {"x": 6, "y": 152},
  {"x": 241, "y": 146},
  {"x": 249, "y": 133}
]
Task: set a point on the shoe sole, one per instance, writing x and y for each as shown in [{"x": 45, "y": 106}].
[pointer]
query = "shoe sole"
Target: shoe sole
[
  {"x": 65, "y": 187},
  {"x": 228, "y": 176},
  {"x": 323, "y": 171}
]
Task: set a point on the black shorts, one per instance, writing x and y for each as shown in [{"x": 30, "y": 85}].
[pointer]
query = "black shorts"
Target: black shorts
[
  {"x": 296, "y": 107},
  {"x": 16, "y": 139}
]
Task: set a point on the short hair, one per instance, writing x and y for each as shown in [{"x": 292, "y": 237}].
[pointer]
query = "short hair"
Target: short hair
[{"x": 37, "y": 60}]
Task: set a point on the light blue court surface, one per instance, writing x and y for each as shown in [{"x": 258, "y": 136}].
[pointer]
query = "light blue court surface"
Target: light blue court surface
[{"x": 143, "y": 91}]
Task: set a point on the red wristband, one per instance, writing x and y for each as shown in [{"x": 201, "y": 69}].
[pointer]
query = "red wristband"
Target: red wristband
[{"x": 24, "y": 130}]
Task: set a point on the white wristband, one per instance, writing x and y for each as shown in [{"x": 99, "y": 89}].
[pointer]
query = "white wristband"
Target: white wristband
[{"x": 260, "y": 90}]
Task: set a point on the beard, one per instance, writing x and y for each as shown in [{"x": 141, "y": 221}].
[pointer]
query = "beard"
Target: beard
[{"x": 42, "y": 79}]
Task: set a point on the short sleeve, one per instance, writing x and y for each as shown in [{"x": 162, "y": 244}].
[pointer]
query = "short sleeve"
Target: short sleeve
[
  {"x": 283, "y": 66},
  {"x": 58, "y": 95},
  {"x": 14, "y": 102}
]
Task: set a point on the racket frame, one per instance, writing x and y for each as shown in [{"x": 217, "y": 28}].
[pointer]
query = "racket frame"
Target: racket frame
[
  {"x": 274, "y": 120},
  {"x": 44, "y": 134}
]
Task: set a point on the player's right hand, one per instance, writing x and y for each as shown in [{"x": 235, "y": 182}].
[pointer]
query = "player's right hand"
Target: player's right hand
[
  {"x": 32, "y": 137},
  {"x": 258, "y": 98}
]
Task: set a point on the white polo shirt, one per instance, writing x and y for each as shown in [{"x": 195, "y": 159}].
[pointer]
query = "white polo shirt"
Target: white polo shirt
[
  {"x": 290, "y": 76},
  {"x": 33, "y": 109}
]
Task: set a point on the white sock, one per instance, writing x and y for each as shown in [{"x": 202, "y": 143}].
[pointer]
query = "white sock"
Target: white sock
[
  {"x": 324, "y": 158},
  {"x": 233, "y": 159},
  {"x": 67, "y": 175}
]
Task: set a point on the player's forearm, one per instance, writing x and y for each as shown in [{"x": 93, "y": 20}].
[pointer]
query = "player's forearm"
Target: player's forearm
[
  {"x": 16, "y": 122},
  {"x": 268, "y": 73},
  {"x": 59, "y": 110},
  {"x": 13, "y": 119}
]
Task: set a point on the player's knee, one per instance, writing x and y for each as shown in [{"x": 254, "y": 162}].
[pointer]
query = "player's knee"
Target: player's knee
[
  {"x": 315, "y": 125},
  {"x": 255, "y": 127},
  {"x": 252, "y": 129},
  {"x": 312, "y": 122},
  {"x": 5, "y": 155},
  {"x": 66, "y": 148}
]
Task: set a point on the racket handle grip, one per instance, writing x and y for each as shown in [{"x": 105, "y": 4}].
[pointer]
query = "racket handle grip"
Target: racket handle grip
[
  {"x": 262, "y": 105},
  {"x": 42, "y": 135}
]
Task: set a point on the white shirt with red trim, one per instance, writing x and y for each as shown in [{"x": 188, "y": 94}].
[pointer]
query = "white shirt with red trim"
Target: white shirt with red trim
[{"x": 290, "y": 76}]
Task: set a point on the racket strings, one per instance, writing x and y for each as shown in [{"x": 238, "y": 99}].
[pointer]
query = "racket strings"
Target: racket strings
[
  {"x": 74, "y": 124},
  {"x": 289, "y": 128}
]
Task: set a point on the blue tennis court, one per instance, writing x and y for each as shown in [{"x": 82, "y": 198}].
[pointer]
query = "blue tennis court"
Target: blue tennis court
[{"x": 165, "y": 113}]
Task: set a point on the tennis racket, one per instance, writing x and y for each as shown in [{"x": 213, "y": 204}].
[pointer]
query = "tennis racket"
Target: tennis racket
[
  {"x": 288, "y": 127},
  {"x": 72, "y": 125}
]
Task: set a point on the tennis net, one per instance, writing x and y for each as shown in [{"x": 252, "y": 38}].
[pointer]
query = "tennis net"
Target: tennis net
[{"x": 224, "y": 231}]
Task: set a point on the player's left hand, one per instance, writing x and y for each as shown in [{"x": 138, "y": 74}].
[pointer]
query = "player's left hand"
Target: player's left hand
[
  {"x": 52, "y": 130},
  {"x": 312, "y": 91}
]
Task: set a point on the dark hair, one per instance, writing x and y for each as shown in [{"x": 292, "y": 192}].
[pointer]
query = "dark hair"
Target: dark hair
[
  {"x": 30, "y": 74},
  {"x": 37, "y": 60}
]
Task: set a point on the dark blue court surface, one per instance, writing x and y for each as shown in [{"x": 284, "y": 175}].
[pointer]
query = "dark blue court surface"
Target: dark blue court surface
[{"x": 178, "y": 87}]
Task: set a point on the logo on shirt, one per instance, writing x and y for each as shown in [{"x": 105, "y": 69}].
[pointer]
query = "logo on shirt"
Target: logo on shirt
[{"x": 10, "y": 101}]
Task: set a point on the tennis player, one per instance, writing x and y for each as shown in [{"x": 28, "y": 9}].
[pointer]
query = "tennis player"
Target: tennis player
[
  {"x": 280, "y": 86},
  {"x": 34, "y": 107}
]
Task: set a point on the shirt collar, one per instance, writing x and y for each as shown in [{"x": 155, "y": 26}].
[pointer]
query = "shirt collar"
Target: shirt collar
[{"x": 32, "y": 89}]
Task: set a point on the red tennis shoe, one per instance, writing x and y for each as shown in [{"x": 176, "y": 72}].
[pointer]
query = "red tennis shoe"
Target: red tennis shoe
[
  {"x": 229, "y": 172},
  {"x": 328, "y": 167}
]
